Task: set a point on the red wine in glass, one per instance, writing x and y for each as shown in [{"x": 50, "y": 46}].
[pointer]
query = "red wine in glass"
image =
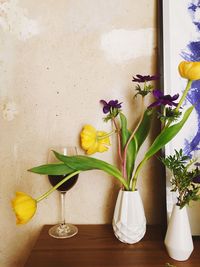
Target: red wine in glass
[
  {"x": 55, "y": 179},
  {"x": 62, "y": 229}
]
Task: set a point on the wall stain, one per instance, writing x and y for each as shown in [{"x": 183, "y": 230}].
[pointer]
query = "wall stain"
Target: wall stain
[
  {"x": 121, "y": 45},
  {"x": 9, "y": 110},
  {"x": 14, "y": 20}
]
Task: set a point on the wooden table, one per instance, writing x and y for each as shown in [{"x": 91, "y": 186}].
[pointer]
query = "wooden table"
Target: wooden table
[{"x": 96, "y": 246}]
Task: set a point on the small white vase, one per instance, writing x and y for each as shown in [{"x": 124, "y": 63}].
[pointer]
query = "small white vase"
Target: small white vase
[
  {"x": 178, "y": 239},
  {"x": 129, "y": 222}
]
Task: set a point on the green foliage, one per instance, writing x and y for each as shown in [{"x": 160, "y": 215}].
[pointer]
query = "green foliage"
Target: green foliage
[
  {"x": 78, "y": 163},
  {"x": 143, "y": 91},
  {"x": 170, "y": 115},
  {"x": 113, "y": 113},
  {"x": 143, "y": 129},
  {"x": 131, "y": 152},
  {"x": 167, "y": 134},
  {"x": 139, "y": 138},
  {"x": 182, "y": 180},
  {"x": 176, "y": 162},
  {"x": 52, "y": 169},
  {"x": 84, "y": 163},
  {"x": 128, "y": 141}
]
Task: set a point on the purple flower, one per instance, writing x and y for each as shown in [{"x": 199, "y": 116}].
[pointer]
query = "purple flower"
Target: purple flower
[
  {"x": 163, "y": 99},
  {"x": 112, "y": 104},
  {"x": 196, "y": 179},
  {"x": 141, "y": 79}
]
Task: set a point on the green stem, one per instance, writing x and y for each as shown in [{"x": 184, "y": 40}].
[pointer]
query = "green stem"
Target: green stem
[
  {"x": 134, "y": 180},
  {"x": 105, "y": 135},
  {"x": 123, "y": 181},
  {"x": 130, "y": 139},
  {"x": 118, "y": 140},
  {"x": 56, "y": 186},
  {"x": 189, "y": 83}
]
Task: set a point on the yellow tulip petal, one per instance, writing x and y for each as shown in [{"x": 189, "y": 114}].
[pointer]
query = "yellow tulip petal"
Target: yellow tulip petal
[
  {"x": 189, "y": 70},
  {"x": 102, "y": 148},
  {"x": 92, "y": 141},
  {"x": 88, "y": 137},
  {"x": 87, "y": 143},
  {"x": 104, "y": 140},
  {"x": 92, "y": 149},
  {"x": 24, "y": 207},
  {"x": 194, "y": 72}
]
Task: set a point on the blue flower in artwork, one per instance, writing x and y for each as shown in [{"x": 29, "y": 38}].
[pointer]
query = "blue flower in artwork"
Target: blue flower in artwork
[
  {"x": 193, "y": 8},
  {"x": 194, "y": 98},
  {"x": 192, "y": 53},
  {"x": 194, "y": 5}
]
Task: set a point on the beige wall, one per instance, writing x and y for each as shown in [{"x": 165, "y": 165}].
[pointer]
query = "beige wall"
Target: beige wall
[{"x": 57, "y": 60}]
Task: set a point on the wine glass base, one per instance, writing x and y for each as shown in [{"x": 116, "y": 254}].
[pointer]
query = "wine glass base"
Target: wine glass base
[{"x": 63, "y": 230}]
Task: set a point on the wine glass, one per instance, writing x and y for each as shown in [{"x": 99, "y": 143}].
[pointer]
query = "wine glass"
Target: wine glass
[{"x": 63, "y": 229}]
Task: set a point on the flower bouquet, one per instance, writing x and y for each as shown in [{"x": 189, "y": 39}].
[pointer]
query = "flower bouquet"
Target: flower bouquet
[
  {"x": 185, "y": 179},
  {"x": 185, "y": 182},
  {"x": 129, "y": 141}
]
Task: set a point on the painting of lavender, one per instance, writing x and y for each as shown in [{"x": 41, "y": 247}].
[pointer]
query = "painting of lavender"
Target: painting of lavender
[{"x": 181, "y": 41}]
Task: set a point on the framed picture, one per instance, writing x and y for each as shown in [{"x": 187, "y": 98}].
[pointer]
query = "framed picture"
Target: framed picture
[{"x": 181, "y": 41}]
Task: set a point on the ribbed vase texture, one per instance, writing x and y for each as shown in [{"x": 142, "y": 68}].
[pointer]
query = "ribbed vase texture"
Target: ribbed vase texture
[
  {"x": 129, "y": 222},
  {"x": 178, "y": 239}
]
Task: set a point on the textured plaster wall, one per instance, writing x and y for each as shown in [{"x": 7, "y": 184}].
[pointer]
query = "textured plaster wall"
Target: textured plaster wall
[{"x": 57, "y": 60}]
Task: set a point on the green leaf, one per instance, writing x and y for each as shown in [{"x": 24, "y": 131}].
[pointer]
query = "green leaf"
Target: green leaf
[
  {"x": 138, "y": 139},
  {"x": 52, "y": 169},
  {"x": 124, "y": 131},
  {"x": 131, "y": 152},
  {"x": 167, "y": 135},
  {"x": 143, "y": 130},
  {"x": 84, "y": 163}
]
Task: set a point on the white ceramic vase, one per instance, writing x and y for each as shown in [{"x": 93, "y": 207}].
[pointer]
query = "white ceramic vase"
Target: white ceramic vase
[
  {"x": 178, "y": 239},
  {"x": 129, "y": 222}
]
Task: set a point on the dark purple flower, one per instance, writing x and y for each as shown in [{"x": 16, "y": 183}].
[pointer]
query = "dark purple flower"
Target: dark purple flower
[
  {"x": 108, "y": 106},
  {"x": 163, "y": 99},
  {"x": 141, "y": 79},
  {"x": 196, "y": 179}
]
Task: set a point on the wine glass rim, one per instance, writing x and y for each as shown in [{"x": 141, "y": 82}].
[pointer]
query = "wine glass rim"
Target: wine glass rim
[{"x": 63, "y": 149}]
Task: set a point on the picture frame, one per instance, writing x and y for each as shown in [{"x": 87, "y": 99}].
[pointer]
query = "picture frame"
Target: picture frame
[{"x": 180, "y": 41}]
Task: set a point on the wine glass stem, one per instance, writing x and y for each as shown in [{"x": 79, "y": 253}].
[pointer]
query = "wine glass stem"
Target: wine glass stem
[{"x": 62, "y": 198}]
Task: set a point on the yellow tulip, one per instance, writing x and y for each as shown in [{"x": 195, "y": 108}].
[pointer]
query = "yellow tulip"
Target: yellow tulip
[
  {"x": 93, "y": 141},
  {"x": 24, "y": 207},
  {"x": 189, "y": 70}
]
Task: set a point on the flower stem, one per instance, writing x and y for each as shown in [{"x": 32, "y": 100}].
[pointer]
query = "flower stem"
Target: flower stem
[
  {"x": 129, "y": 140},
  {"x": 118, "y": 139},
  {"x": 56, "y": 186},
  {"x": 105, "y": 135},
  {"x": 134, "y": 180},
  {"x": 189, "y": 83}
]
